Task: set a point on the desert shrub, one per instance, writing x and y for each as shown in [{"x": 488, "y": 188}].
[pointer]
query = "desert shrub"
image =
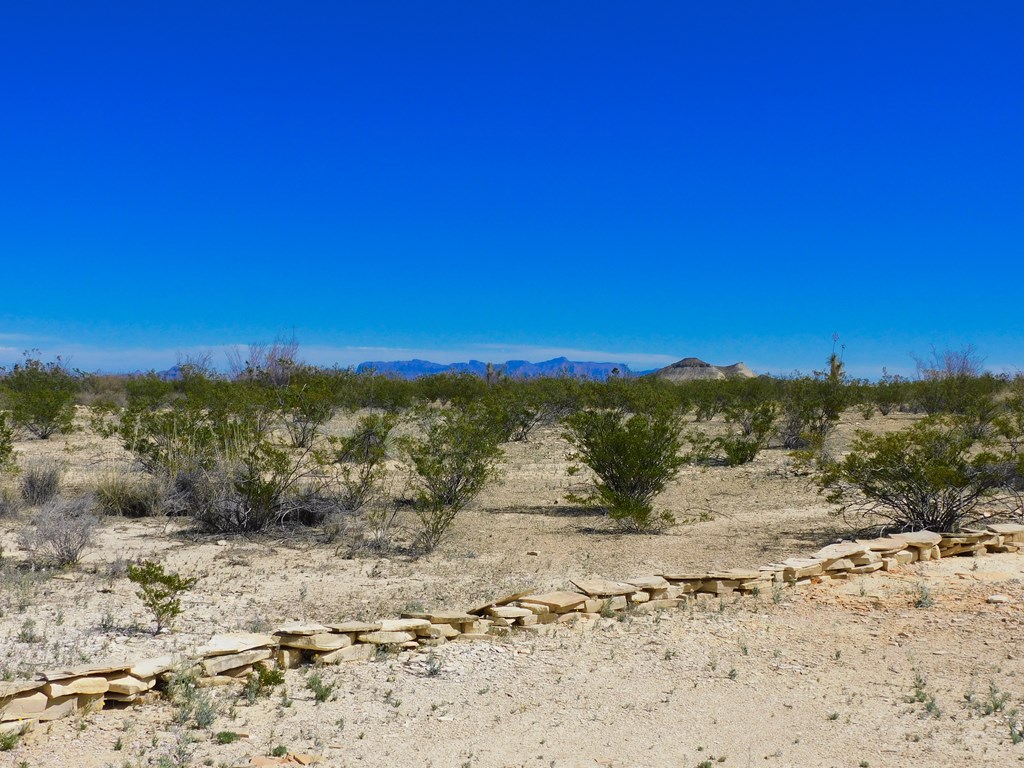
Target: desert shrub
[
  {"x": 453, "y": 460},
  {"x": 6, "y": 443},
  {"x": 633, "y": 457},
  {"x": 928, "y": 476},
  {"x": 359, "y": 461},
  {"x": 40, "y": 396},
  {"x": 40, "y": 481},
  {"x": 752, "y": 424},
  {"x": 123, "y": 496},
  {"x": 307, "y": 404},
  {"x": 10, "y": 501},
  {"x": 889, "y": 393},
  {"x": 159, "y": 590},
  {"x": 260, "y": 682},
  {"x": 61, "y": 530},
  {"x": 811, "y": 407}
]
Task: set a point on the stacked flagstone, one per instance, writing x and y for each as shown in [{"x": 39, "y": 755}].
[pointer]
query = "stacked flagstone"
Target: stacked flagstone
[{"x": 232, "y": 657}]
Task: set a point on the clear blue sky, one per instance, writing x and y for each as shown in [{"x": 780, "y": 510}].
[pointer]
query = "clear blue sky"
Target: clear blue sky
[{"x": 628, "y": 181}]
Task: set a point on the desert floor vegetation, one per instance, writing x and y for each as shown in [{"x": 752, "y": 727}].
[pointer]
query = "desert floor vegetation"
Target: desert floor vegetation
[{"x": 330, "y": 497}]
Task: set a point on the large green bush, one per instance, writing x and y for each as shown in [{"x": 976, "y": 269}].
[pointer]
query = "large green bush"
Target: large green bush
[
  {"x": 40, "y": 397},
  {"x": 633, "y": 457},
  {"x": 931, "y": 476}
]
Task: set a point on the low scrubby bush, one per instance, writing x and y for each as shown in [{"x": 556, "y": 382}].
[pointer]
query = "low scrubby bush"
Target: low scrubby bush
[
  {"x": 159, "y": 590},
  {"x": 61, "y": 531},
  {"x": 633, "y": 458},
  {"x": 40, "y": 481},
  {"x": 454, "y": 459}
]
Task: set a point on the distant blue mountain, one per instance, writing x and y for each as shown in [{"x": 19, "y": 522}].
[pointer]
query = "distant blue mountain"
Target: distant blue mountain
[{"x": 515, "y": 369}]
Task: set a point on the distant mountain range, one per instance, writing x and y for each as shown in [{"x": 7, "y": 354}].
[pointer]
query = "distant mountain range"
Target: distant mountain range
[
  {"x": 688, "y": 369},
  {"x": 515, "y": 369}
]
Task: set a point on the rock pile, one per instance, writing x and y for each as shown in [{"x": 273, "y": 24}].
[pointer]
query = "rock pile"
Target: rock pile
[{"x": 232, "y": 657}]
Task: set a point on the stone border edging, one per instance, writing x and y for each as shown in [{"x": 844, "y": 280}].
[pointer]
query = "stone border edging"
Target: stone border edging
[{"x": 230, "y": 658}]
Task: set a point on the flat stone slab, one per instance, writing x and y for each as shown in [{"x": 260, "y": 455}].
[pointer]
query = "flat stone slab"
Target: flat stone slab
[
  {"x": 77, "y": 685},
  {"x": 221, "y": 645},
  {"x": 355, "y": 626},
  {"x": 500, "y": 601},
  {"x": 386, "y": 638},
  {"x": 151, "y": 667},
  {"x": 441, "y": 617},
  {"x": 920, "y": 539},
  {"x": 86, "y": 671},
  {"x": 508, "y": 612},
  {"x": 359, "y": 652},
  {"x": 216, "y": 665},
  {"x": 301, "y": 628},
  {"x": 404, "y": 625},
  {"x": 648, "y": 582},
  {"x": 883, "y": 544},
  {"x": 11, "y": 688},
  {"x": 323, "y": 641},
  {"x": 1006, "y": 528},
  {"x": 596, "y": 586},
  {"x": 684, "y": 576},
  {"x": 557, "y": 601}
]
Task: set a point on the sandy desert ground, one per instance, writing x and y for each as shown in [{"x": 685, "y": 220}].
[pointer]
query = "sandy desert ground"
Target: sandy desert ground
[{"x": 828, "y": 675}]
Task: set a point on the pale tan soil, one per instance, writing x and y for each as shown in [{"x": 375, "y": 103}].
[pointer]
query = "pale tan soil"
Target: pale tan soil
[
  {"x": 758, "y": 513},
  {"x": 577, "y": 696},
  {"x": 825, "y": 678}
]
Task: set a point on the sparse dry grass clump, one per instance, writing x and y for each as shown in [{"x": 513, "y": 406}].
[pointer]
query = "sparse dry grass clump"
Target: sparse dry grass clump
[
  {"x": 122, "y": 496},
  {"x": 61, "y": 531},
  {"x": 40, "y": 481}
]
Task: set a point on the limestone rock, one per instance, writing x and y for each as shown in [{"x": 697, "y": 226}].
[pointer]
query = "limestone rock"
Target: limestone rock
[
  {"x": 77, "y": 685},
  {"x": 218, "y": 664},
  {"x": 559, "y": 602},
  {"x": 383, "y": 637},
  {"x": 595, "y": 586},
  {"x": 322, "y": 642},
  {"x": 360, "y": 652},
  {"x": 222, "y": 645},
  {"x": 355, "y": 626}
]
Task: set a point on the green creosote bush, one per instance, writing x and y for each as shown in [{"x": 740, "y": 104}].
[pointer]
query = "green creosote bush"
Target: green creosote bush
[
  {"x": 633, "y": 458},
  {"x": 454, "y": 459},
  {"x": 159, "y": 590},
  {"x": 928, "y": 476},
  {"x": 39, "y": 396}
]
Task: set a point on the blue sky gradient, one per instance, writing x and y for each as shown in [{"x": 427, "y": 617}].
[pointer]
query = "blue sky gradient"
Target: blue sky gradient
[{"x": 627, "y": 182}]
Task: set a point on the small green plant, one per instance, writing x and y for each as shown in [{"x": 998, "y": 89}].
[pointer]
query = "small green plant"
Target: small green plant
[
  {"x": 279, "y": 751},
  {"x": 226, "y": 737},
  {"x": 924, "y": 597},
  {"x": 160, "y": 591},
  {"x": 260, "y": 682},
  {"x": 321, "y": 691},
  {"x": 9, "y": 741},
  {"x": 28, "y": 633},
  {"x": 833, "y": 716}
]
